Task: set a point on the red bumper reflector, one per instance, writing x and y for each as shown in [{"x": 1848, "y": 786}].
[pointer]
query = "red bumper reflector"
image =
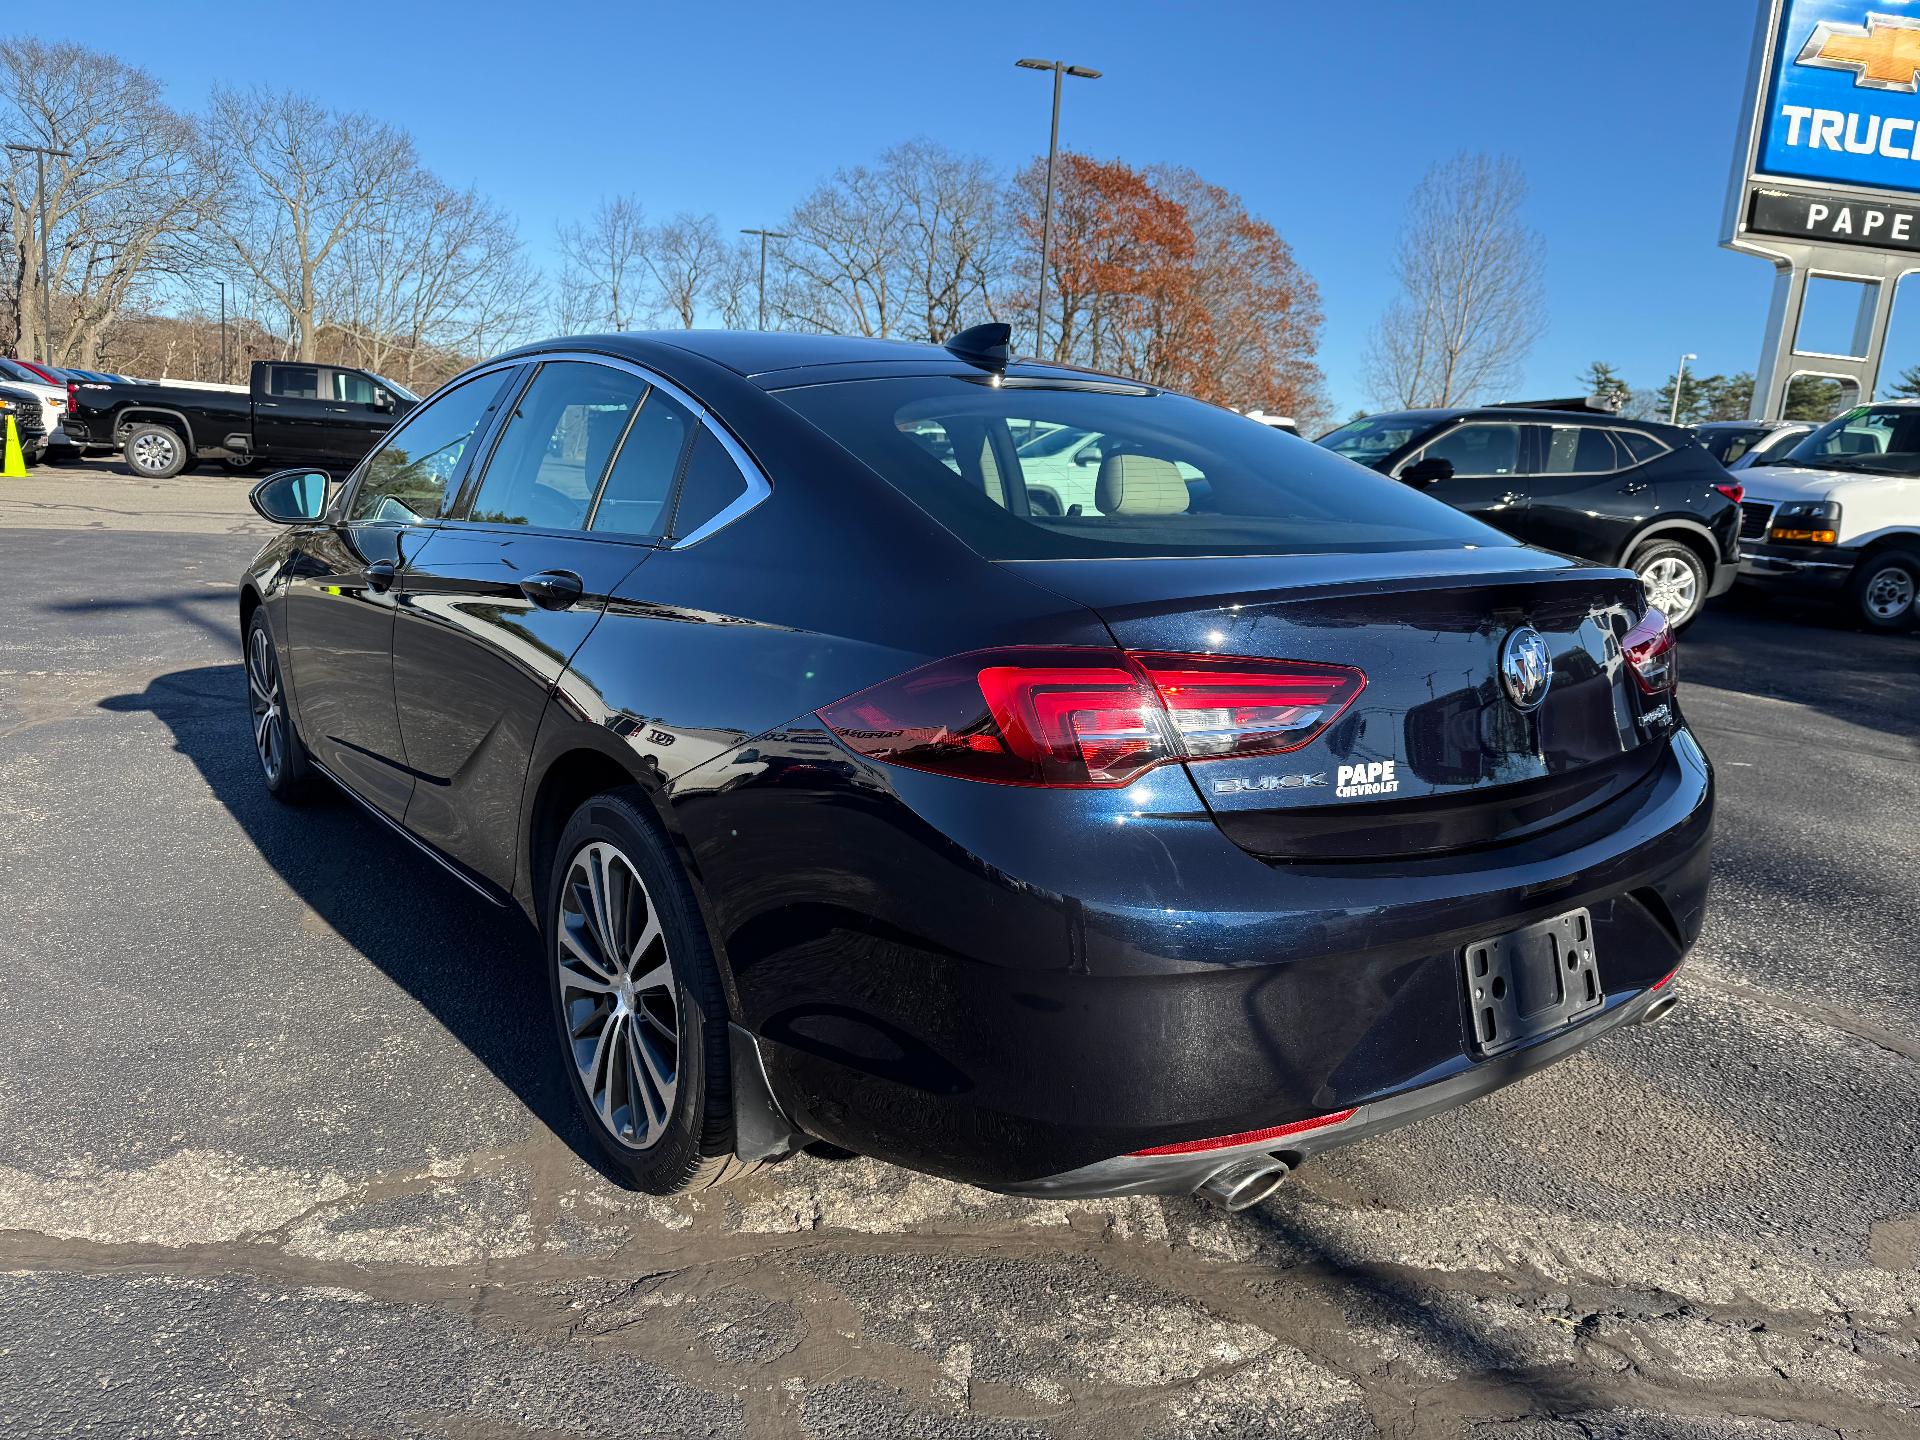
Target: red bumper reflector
[
  {"x": 1250, "y": 1137},
  {"x": 1663, "y": 979}
]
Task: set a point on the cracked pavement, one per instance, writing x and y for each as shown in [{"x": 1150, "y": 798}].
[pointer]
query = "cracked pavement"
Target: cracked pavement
[{"x": 284, "y": 1150}]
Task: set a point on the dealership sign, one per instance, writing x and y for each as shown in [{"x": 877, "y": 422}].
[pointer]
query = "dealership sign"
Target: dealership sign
[
  {"x": 1826, "y": 177},
  {"x": 1844, "y": 96}
]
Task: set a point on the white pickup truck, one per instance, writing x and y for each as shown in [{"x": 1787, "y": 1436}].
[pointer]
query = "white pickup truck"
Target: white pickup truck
[{"x": 1840, "y": 514}]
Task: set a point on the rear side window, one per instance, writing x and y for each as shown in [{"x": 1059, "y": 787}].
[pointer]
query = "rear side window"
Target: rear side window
[
  {"x": 556, "y": 446},
  {"x": 640, "y": 483},
  {"x": 1141, "y": 474},
  {"x": 1581, "y": 450},
  {"x": 408, "y": 477},
  {"x": 713, "y": 483},
  {"x": 1641, "y": 446},
  {"x": 294, "y": 382}
]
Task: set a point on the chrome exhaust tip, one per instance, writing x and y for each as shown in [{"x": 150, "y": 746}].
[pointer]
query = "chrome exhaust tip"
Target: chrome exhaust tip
[
  {"x": 1245, "y": 1182},
  {"x": 1661, "y": 1007}
]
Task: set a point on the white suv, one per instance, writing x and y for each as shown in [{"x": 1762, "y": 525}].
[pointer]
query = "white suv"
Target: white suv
[
  {"x": 1840, "y": 513},
  {"x": 52, "y": 398}
]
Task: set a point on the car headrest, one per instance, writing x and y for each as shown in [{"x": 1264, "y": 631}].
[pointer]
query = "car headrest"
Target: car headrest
[{"x": 1139, "y": 485}]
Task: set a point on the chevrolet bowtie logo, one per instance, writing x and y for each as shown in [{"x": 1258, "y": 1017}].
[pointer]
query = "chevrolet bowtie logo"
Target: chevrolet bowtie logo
[{"x": 1883, "y": 54}]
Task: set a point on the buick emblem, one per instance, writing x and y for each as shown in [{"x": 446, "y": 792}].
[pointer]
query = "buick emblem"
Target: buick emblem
[{"x": 1526, "y": 667}]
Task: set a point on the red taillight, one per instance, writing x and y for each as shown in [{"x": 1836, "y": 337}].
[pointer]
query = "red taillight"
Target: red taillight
[
  {"x": 1222, "y": 705},
  {"x": 1735, "y": 492},
  {"x": 73, "y": 394},
  {"x": 1088, "y": 717},
  {"x": 1649, "y": 648},
  {"x": 1249, "y": 1137}
]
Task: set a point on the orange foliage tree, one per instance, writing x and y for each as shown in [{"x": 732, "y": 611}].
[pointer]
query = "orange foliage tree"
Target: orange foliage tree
[{"x": 1162, "y": 276}]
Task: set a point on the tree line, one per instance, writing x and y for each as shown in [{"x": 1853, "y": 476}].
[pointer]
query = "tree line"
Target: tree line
[
  {"x": 325, "y": 236},
  {"x": 1704, "y": 397},
  {"x": 329, "y": 238}
]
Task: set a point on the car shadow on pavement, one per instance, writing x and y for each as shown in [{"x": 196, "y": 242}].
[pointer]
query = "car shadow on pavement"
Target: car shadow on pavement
[
  {"x": 1377, "y": 1294},
  {"x": 470, "y": 964}
]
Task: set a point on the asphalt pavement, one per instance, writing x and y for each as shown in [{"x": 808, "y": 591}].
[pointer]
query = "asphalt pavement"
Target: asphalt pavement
[{"x": 284, "y": 1148}]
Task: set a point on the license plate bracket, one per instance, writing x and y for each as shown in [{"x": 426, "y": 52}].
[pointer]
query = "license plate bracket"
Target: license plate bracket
[{"x": 1531, "y": 981}]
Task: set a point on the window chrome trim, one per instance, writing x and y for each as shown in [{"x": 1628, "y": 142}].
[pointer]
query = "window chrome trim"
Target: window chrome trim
[{"x": 758, "y": 486}]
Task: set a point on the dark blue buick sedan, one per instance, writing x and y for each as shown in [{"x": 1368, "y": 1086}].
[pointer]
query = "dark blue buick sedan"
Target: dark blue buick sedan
[{"x": 1021, "y": 774}]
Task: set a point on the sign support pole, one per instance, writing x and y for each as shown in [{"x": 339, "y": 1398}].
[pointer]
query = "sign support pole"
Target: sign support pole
[{"x": 1782, "y": 357}]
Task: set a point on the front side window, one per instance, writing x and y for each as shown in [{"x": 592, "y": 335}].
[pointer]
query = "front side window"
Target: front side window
[
  {"x": 556, "y": 446},
  {"x": 1173, "y": 476},
  {"x": 1478, "y": 451},
  {"x": 408, "y": 478},
  {"x": 1373, "y": 438},
  {"x": 294, "y": 382},
  {"x": 350, "y": 387}
]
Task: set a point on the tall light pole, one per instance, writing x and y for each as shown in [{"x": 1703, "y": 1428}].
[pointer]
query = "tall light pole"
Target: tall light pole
[
  {"x": 1060, "y": 70},
  {"x": 224, "y": 371},
  {"x": 1679, "y": 379},
  {"x": 765, "y": 235},
  {"x": 40, "y": 154}
]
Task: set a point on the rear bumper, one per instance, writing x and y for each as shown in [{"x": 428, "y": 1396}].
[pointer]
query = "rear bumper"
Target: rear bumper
[
  {"x": 1183, "y": 1174},
  {"x": 1023, "y": 994}
]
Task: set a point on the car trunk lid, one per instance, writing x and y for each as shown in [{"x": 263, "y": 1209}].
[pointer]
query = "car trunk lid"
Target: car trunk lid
[{"x": 1434, "y": 754}]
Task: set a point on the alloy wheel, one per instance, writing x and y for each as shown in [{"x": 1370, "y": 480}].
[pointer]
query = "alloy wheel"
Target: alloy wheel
[
  {"x": 1889, "y": 594},
  {"x": 1673, "y": 587},
  {"x": 153, "y": 453},
  {"x": 264, "y": 698},
  {"x": 617, "y": 993}
]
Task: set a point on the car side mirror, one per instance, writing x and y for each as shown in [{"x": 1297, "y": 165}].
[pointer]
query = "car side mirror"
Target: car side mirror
[
  {"x": 1430, "y": 471},
  {"x": 381, "y": 399},
  {"x": 291, "y": 497},
  {"x": 1088, "y": 456}
]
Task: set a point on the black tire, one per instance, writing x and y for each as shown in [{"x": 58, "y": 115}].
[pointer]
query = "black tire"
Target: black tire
[
  {"x": 1885, "y": 590},
  {"x": 239, "y": 464},
  {"x": 290, "y": 776},
  {"x": 155, "y": 452},
  {"x": 1658, "y": 563},
  {"x": 692, "y": 1146}
]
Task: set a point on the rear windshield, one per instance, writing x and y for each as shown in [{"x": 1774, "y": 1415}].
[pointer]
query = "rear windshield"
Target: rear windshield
[{"x": 1021, "y": 471}]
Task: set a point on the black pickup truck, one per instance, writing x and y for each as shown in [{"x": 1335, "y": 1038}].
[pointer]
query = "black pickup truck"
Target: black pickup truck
[{"x": 293, "y": 412}]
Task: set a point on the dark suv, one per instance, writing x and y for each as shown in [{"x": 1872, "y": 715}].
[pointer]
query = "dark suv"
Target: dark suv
[{"x": 1622, "y": 492}]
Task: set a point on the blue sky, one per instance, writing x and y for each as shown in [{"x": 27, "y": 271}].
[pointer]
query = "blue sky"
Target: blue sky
[{"x": 1322, "y": 116}]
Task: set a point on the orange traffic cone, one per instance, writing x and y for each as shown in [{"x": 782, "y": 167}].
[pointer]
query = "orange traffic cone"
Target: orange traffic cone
[{"x": 16, "y": 463}]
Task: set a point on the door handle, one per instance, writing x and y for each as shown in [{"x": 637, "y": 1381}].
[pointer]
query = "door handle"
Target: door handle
[
  {"x": 380, "y": 576},
  {"x": 553, "y": 589},
  {"x": 1634, "y": 489}
]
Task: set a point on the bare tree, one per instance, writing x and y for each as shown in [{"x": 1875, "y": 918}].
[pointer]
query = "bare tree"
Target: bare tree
[
  {"x": 684, "y": 256},
  {"x": 116, "y": 205},
  {"x": 843, "y": 262},
  {"x": 1470, "y": 306},
  {"x": 303, "y": 179},
  {"x": 954, "y": 236},
  {"x": 733, "y": 291},
  {"x": 603, "y": 283},
  {"x": 441, "y": 274},
  {"x": 906, "y": 248}
]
